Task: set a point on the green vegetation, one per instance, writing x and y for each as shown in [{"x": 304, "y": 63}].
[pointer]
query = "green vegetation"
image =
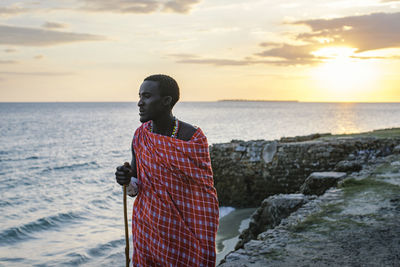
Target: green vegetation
[
  {"x": 275, "y": 254},
  {"x": 357, "y": 192},
  {"x": 352, "y": 185},
  {"x": 383, "y": 133},
  {"x": 318, "y": 219}
]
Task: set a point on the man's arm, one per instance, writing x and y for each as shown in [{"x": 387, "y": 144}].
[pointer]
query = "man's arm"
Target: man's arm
[{"x": 133, "y": 163}]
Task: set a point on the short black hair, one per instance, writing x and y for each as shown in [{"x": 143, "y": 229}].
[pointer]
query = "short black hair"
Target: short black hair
[{"x": 167, "y": 85}]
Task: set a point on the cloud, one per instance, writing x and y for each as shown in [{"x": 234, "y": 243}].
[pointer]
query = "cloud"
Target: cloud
[
  {"x": 24, "y": 36},
  {"x": 364, "y": 33},
  {"x": 139, "y": 6},
  {"x": 367, "y": 32},
  {"x": 8, "y": 62},
  {"x": 194, "y": 59},
  {"x": 122, "y": 6},
  {"x": 10, "y": 50},
  {"x": 359, "y": 33},
  {"x": 290, "y": 54},
  {"x": 36, "y": 73},
  {"x": 215, "y": 61},
  {"x": 53, "y": 25},
  {"x": 180, "y": 6},
  {"x": 13, "y": 10}
]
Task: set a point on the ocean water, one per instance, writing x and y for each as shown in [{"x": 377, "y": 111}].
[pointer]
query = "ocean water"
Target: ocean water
[{"x": 59, "y": 203}]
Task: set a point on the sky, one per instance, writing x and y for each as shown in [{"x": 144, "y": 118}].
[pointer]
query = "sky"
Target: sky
[{"x": 101, "y": 50}]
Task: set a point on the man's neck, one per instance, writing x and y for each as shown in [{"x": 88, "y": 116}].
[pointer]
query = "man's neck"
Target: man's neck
[{"x": 164, "y": 125}]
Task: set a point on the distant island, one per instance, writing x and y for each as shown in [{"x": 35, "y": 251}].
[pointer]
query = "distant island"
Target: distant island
[{"x": 250, "y": 100}]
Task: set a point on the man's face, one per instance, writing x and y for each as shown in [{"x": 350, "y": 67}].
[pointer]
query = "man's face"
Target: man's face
[{"x": 150, "y": 101}]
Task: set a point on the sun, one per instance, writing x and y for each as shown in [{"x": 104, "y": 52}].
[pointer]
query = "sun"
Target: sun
[{"x": 342, "y": 76}]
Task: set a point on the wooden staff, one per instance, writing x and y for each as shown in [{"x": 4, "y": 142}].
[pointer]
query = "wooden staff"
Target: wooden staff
[{"x": 126, "y": 230}]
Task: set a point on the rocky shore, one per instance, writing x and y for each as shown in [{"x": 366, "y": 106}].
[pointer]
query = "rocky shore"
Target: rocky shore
[
  {"x": 245, "y": 173},
  {"x": 323, "y": 200}
]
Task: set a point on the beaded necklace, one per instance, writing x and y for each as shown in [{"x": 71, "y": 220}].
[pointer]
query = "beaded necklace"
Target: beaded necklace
[{"x": 174, "y": 131}]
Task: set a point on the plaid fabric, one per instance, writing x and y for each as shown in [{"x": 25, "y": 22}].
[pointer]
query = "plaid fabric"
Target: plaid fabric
[{"x": 175, "y": 214}]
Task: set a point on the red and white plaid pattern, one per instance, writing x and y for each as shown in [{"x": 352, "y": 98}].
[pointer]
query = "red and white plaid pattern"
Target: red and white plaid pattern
[{"x": 175, "y": 214}]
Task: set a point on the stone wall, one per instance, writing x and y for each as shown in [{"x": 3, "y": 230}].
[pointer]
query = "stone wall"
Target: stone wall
[{"x": 247, "y": 172}]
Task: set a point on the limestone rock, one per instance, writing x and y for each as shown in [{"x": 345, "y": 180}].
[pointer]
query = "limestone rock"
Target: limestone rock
[
  {"x": 269, "y": 151},
  {"x": 348, "y": 166},
  {"x": 247, "y": 172},
  {"x": 303, "y": 138},
  {"x": 270, "y": 214},
  {"x": 318, "y": 182}
]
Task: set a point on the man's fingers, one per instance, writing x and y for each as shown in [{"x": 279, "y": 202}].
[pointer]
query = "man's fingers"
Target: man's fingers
[
  {"x": 120, "y": 173},
  {"x": 123, "y": 181},
  {"x": 120, "y": 168}
]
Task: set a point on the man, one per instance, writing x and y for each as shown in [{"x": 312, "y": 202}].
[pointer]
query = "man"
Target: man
[{"x": 175, "y": 214}]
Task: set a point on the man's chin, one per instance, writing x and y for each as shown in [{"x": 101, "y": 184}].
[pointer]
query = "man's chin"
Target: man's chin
[{"x": 143, "y": 119}]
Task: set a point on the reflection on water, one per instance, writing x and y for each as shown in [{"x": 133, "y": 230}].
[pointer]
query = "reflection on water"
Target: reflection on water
[
  {"x": 224, "y": 121},
  {"x": 345, "y": 118}
]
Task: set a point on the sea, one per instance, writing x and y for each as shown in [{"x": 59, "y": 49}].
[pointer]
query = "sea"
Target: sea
[{"x": 59, "y": 202}]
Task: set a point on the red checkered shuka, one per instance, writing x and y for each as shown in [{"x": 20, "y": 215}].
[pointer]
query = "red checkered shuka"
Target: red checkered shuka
[{"x": 175, "y": 214}]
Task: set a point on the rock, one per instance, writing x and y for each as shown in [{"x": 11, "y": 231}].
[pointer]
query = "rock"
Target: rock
[
  {"x": 348, "y": 166},
  {"x": 270, "y": 214},
  {"x": 247, "y": 172},
  {"x": 269, "y": 151},
  {"x": 303, "y": 138},
  {"x": 396, "y": 149},
  {"x": 318, "y": 182}
]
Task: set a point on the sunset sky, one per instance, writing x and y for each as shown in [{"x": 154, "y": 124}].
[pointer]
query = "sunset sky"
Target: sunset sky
[{"x": 101, "y": 50}]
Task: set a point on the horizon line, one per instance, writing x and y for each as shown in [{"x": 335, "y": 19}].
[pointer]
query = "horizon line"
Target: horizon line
[{"x": 209, "y": 101}]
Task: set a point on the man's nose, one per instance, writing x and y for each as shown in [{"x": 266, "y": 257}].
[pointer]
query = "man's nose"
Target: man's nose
[{"x": 140, "y": 102}]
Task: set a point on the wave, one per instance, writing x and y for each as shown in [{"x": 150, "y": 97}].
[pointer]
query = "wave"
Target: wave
[
  {"x": 71, "y": 167},
  {"x": 33, "y": 157},
  {"x": 223, "y": 211},
  {"x": 26, "y": 231},
  {"x": 18, "y": 158},
  {"x": 103, "y": 248},
  {"x": 79, "y": 259}
]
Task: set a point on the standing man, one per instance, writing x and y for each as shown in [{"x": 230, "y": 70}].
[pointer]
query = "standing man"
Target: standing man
[{"x": 175, "y": 214}]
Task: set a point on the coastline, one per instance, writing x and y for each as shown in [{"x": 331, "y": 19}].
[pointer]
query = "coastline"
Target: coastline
[
  {"x": 371, "y": 161},
  {"x": 230, "y": 226}
]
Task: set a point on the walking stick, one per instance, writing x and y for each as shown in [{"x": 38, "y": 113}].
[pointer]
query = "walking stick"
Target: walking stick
[{"x": 126, "y": 230}]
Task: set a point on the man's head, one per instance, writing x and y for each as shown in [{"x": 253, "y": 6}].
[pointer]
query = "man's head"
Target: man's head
[{"x": 158, "y": 94}]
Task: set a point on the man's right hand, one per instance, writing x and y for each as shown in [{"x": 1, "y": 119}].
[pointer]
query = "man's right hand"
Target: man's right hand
[{"x": 123, "y": 174}]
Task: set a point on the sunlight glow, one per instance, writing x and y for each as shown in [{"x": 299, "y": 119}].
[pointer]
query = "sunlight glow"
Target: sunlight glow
[{"x": 342, "y": 76}]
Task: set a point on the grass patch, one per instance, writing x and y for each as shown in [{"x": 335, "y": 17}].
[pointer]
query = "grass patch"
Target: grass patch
[
  {"x": 353, "y": 185},
  {"x": 383, "y": 133},
  {"x": 274, "y": 254},
  {"x": 327, "y": 221},
  {"x": 386, "y": 168},
  {"x": 317, "y": 219}
]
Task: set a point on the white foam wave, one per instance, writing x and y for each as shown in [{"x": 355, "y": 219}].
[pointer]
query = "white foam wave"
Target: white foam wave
[{"x": 223, "y": 211}]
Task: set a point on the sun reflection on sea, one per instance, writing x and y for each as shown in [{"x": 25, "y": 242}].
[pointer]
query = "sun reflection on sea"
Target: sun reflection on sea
[{"x": 346, "y": 119}]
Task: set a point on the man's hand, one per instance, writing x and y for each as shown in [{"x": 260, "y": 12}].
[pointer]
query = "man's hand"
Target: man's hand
[{"x": 123, "y": 174}]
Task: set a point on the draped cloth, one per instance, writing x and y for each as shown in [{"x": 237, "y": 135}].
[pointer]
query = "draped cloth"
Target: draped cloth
[{"x": 175, "y": 214}]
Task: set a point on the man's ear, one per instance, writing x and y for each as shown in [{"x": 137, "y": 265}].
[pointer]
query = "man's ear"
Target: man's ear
[{"x": 167, "y": 100}]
